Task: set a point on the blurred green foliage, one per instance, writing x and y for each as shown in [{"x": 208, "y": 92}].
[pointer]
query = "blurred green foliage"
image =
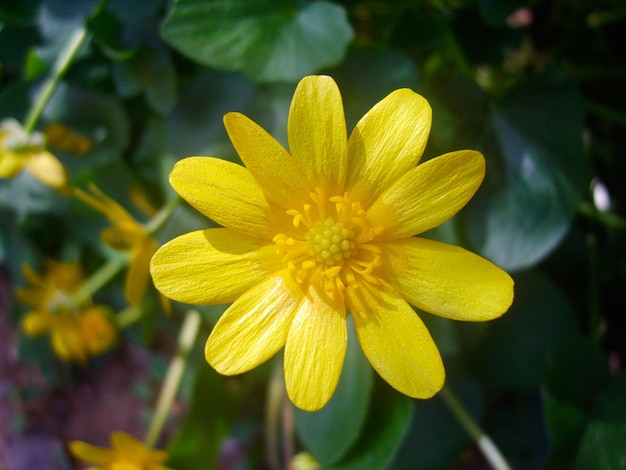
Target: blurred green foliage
[{"x": 536, "y": 86}]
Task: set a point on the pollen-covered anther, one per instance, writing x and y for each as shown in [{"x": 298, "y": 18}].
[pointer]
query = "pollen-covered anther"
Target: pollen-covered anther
[{"x": 334, "y": 248}]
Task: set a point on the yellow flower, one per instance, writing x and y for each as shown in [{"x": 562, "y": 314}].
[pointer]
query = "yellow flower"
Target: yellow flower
[
  {"x": 126, "y": 234},
  {"x": 325, "y": 230},
  {"x": 127, "y": 453},
  {"x": 75, "y": 333},
  {"x": 19, "y": 151},
  {"x": 64, "y": 138}
]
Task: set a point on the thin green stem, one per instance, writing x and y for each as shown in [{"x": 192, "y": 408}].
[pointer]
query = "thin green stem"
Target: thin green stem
[
  {"x": 162, "y": 216},
  {"x": 186, "y": 339},
  {"x": 96, "y": 281},
  {"x": 482, "y": 440},
  {"x": 128, "y": 316},
  {"x": 63, "y": 62}
]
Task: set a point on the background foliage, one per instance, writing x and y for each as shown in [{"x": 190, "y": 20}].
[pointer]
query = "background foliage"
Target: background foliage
[{"x": 536, "y": 86}]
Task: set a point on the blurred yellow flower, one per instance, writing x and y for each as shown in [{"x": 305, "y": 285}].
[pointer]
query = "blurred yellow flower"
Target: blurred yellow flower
[
  {"x": 126, "y": 234},
  {"x": 76, "y": 333},
  {"x": 127, "y": 453},
  {"x": 64, "y": 138},
  {"x": 325, "y": 230},
  {"x": 19, "y": 151}
]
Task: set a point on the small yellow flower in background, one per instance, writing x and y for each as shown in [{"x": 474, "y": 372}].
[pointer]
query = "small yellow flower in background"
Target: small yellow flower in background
[
  {"x": 326, "y": 230},
  {"x": 304, "y": 461},
  {"x": 127, "y": 453},
  {"x": 126, "y": 234},
  {"x": 64, "y": 138},
  {"x": 75, "y": 334},
  {"x": 19, "y": 151}
]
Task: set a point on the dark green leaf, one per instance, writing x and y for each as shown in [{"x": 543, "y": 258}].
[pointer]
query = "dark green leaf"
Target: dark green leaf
[
  {"x": 536, "y": 173},
  {"x": 267, "y": 40},
  {"x": 329, "y": 433},
  {"x": 387, "y": 423},
  {"x": 517, "y": 347}
]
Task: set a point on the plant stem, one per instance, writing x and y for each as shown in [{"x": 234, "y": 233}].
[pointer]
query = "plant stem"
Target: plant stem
[
  {"x": 98, "y": 279},
  {"x": 162, "y": 216},
  {"x": 63, "y": 62},
  {"x": 186, "y": 339},
  {"x": 482, "y": 440}
]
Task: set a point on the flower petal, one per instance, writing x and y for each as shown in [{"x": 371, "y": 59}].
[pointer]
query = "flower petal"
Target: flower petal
[
  {"x": 10, "y": 163},
  {"x": 446, "y": 280},
  {"x": 395, "y": 340},
  {"x": 48, "y": 169},
  {"x": 317, "y": 132},
  {"x": 224, "y": 192},
  {"x": 274, "y": 169},
  {"x": 387, "y": 142},
  {"x": 429, "y": 194},
  {"x": 36, "y": 323},
  {"x": 139, "y": 270},
  {"x": 255, "y": 326},
  {"x": 212, "y": 266},
  {"x": 92, "y": 454},
  {"x": 315, "y": 350}
]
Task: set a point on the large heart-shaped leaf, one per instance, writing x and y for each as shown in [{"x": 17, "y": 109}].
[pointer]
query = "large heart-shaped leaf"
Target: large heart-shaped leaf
[
  {"x": 266, "y": 40},
  {"x": 535, "y": 173}
]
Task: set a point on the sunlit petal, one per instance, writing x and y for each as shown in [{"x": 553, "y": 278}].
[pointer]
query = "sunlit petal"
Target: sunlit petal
[
  {"x": 90, "y": 453},
  {"x": 224, "y": 192},
  {"x": 279, "y": 175},
  {"x": 48, "y": 169},
  {"x": 395, "y": 341},
  {"x": 317, "y": 132},
  {"x": 315, "y": 351},
  {"x": 429, "y": 194},
  {"x": 387, "y": 142},
  {"x": 212, "y": 266},
  {"x": 447, "y": 280},
  {"x": 255, "y": 327}
]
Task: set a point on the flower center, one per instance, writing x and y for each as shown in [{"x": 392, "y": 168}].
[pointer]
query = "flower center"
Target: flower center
[
  {"x": 332, "y": 246},
  {"x": 330, "y": 242}
]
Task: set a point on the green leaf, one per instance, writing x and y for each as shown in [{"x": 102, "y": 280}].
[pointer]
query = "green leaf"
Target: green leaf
[
  {"x": 267, "y": 40},
  {"x": 107, "y": 30},
  {"x": 536, "y": 173},
  {"x": 149, "y": 71},
  {"x": 517, "y": 347},
  {"x": 584, "y": 408},
  {"x": 386, "y": 426},
  {"x": 329, "y": 433},
  {"x": 368, "y": 74}
]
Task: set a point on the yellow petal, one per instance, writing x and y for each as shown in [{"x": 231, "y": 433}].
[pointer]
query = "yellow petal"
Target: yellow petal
[
  {"x": 317, "y": 133},
  {"x": 139, "y": 270},
  {"x": 37, "y": 323},
  {"x": 66, "y": 276},
  {"x": 96, "y": 330},
  {"x": 91, "y": 454},
  {"x": 107, "y": 206},
  {"x": 48, "y": 169},
  {"x": 68, "y": 343},
  {"x": 123, "y": 236},
  {"x": 127, "y": 444},
  {"x": 395, "y": 340},
  {"x": 446, "y": 280},
  {"x": 11, "y": 163},
  {"x": 387, "y": 142},
  {"x": 315, "y": 350},
  {"x": 212, "y": 266},
  {"x": 224, "y": 192},
  {"x": 429, "y": 194},
  {"x": 275, "y": 170},
  {"x": 255, "y": 327}
]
